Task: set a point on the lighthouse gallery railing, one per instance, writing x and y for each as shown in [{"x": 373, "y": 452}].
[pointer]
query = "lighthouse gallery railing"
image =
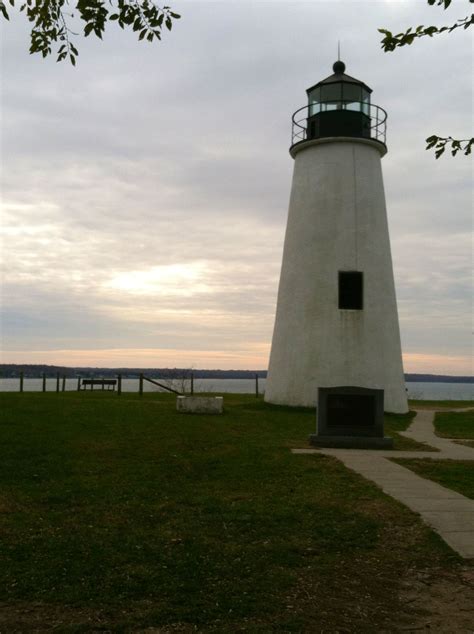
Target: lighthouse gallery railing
[{"x": 376, "y": 114}]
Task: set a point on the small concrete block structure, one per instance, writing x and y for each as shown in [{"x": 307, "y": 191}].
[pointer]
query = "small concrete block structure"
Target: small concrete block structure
[
  {"x": 200, "y": 404},
  {"x": 350, "y": 416}
]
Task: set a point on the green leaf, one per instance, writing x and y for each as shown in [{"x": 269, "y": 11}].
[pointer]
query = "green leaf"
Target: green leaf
[
  {"x": 431, "y": 142},
  {"x": 137, "y": 25}
]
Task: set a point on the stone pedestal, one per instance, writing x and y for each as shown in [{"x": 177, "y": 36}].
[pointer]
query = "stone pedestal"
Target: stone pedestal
[
  {"x": 350, "y": 417},
  {"x": 200, "y": 404},
  {"x": 351, "y": 442}
]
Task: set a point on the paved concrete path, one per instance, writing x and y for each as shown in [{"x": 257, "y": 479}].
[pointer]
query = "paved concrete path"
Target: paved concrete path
[
  {"x": 422, "y": 430},
  {"x": 449, "y": 513}
]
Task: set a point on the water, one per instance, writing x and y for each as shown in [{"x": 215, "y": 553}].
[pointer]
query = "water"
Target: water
[
  {"x": 421, "y": 391},
  {"x": 441, "y": 391}
]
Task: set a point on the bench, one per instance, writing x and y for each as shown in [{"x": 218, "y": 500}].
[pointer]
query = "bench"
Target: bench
[{"x": 110, "y": 383}]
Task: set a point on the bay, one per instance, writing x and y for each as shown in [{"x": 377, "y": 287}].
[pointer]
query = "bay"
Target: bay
[{"x": 416, "y": 390}]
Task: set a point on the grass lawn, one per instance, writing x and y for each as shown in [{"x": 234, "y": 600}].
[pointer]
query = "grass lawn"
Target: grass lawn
[
  {"x": 440, "y": 405},
  {"x": 119, "y": 513},
  {"x": 457, "y": 475},
  {"x": 455, "y": 424}
]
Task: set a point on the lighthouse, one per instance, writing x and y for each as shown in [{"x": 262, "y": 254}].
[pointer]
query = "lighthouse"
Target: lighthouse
[{"x": 336, "y": 321}]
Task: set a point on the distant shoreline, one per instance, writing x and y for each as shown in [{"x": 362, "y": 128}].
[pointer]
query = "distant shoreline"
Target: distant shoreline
[{"x": 35, "y": 371}]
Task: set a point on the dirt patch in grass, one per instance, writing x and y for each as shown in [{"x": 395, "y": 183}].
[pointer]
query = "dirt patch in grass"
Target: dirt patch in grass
[
  {"x": 7, "y": 505},
  {"x": 440, "y": 601},
  {"x": 435, "y": 599}
]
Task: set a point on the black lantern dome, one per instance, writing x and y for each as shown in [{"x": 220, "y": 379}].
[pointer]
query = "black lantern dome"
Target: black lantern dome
[{"x": 338, "y": 106}]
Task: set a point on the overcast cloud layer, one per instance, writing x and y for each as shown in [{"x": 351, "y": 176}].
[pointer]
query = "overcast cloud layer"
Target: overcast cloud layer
[{"x": 145, "y": 192}]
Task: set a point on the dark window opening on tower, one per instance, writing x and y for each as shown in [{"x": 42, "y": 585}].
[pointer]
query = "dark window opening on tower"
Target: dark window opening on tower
[{"x": 350, "y": 290}]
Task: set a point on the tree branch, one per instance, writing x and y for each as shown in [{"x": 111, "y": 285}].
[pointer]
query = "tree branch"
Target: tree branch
[
  {"x": 390, "y": 42},
  {"x": 440, "y": 144},
  {"x": 49, "y": 23}
]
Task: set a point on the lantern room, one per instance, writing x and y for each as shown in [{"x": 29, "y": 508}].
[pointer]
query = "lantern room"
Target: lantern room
[{"x": 338, "y": 106}]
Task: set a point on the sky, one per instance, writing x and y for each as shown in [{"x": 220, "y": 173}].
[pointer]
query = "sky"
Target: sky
[{"x": 145, "y": 191}]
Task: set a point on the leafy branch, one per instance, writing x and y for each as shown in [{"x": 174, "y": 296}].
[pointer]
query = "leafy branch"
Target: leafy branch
[
  {"x": 50, "y": 25},
  {"x": 390, "y": 42},
  {"x": 440, "y": 144}
]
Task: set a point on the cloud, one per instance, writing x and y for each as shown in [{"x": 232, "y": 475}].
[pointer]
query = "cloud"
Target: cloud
[
  {"x": 145, "y": 192},
  {"x": 444, "y": 364},
  {"x": 250, "y": 357}
]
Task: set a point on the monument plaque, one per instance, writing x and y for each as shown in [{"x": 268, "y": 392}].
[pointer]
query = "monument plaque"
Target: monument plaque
[{"x": 350, "y": 416}]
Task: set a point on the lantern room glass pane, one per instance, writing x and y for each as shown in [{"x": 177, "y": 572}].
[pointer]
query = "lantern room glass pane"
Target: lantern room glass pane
[
  {"x": 351, "y": 93},
  {"x": 365, "y": 101},
  {"x": 331, "y": 93},
  {"x": 314, "y": 97}
]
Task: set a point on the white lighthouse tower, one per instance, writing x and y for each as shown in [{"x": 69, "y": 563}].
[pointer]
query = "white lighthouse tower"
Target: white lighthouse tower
[{"x": 336, "y": 320}]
